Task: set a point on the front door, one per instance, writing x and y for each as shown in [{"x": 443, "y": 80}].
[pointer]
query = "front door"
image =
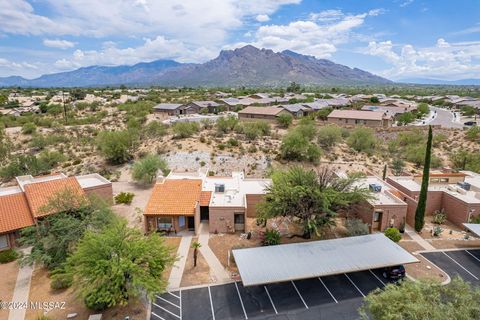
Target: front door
[
  {"x": 191, "y": 223},
  {"x": 204, "y": 214},
  {"x": 239, "y": 221}
]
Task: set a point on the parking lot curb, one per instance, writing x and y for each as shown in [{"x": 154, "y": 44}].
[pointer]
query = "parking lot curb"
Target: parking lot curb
[{"x": 448, "y": 279}]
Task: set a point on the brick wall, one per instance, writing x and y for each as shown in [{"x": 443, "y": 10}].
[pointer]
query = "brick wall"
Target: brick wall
[
  {"x": 104, "y": 192},
  {"x": 221, "y": 219}
]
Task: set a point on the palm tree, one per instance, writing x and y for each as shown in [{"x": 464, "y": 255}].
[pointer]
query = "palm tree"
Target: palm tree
[{"x": 195, "y": 246}]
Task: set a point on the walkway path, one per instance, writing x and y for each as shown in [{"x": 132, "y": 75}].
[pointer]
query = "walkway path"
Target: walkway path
[
  {"x": 415, "y": 236},
  {"x": 22, "y": 290},
  {"x": 218, "y": 270},
  {"x": 177, "y": 270}
]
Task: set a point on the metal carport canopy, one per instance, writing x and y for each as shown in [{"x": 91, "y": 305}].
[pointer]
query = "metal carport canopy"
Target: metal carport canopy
[
  {"x": 262, "y": 265},
  {"x": 473, "y": 227}
]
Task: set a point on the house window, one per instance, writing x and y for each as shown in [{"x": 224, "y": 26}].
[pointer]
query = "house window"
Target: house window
[
  {"x": 444, "y": 180},
  {"x": 181, "y": 221},
  {"x": 376, "y": 216},
  {"x": 3, "y": 242},
  {"x": 434, "y": 180},
  {"x": 164, "y": 223},
  {"x": 239, "y": 218}
]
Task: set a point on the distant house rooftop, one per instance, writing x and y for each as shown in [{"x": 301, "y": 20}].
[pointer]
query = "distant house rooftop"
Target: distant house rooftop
[
  {"x": 167, "y": 106},
  {"x": 357, "y": 114},
  {"x": 261, "y": 110}
]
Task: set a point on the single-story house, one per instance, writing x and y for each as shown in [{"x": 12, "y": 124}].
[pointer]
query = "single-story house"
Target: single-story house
[
  {"x": 297, "y": 110},
  {"x": 457, "y": 193},
  {"x": 210, "y": 106},
  {"x": 175, "y": 109},
  {"x": 24, "y": 204},
  {"x": 360, "y": 117},
  {"x": 181, "y": 201},
  {"x": 261, "y": 113},
  {"x": 385, "y": 209}
]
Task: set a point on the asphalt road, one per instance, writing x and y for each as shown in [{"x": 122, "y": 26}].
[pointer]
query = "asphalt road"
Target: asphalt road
[{"x": 444, "y": 118}]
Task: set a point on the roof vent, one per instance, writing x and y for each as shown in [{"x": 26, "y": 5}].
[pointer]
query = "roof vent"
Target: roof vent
[
  {"x": 375, "y": 187},
  {"x": 464, "y": 185}
]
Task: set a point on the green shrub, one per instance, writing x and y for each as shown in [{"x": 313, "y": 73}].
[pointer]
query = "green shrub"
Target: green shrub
[
  {"x": 124, "y": 197},
  {"x": 362, "y": 140},
  {"x": 270, "y": 237},
  {"x": 61, "y": 281},
  {"x": 393, "y": 234},
  {"x": 155, "y": 129},
  {"x": 145, "y": 170},
  {"x": 439, "y": 217},
  {"x": 8, "y": 255},
  {"x": 29, "y": 128},
  {"x": 43, "y": 317},
  {"x": 117, "y": 146},
  {"x": 182, "y": 130},
  {"x": 437, "y": 230},
  {"x": 232, "y": 142},
  {"x": 296, "y": 146},
  {"x": 473, "y": 133},
  {"x": 356, "y": 227},
  {"x": 226, "y": 124},
  {"x": 284, "y": 120},
  {"x": 329, "y": 136}
]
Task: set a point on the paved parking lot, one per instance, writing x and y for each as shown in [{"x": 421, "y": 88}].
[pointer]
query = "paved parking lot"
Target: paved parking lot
[
  {"x": 331, "y": 297},
  {"x": 463, "y": 263}
]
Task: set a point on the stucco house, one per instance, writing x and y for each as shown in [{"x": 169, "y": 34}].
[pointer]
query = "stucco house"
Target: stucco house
[
  {"x": 360, "y": 117},
  {"x": 261, "y": 113},
  {"x": 24, "y": 204}
]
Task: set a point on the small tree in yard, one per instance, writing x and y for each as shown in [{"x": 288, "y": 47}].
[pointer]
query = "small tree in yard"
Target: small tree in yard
[
  {"x": 393, "y": 234},
  {"x": 423, "y": 300},
  {"x": 195, "y": 245},
  {"x": 422, "y": 200},
  {"x": 284, "y": 120},
  {"x": 356, "y": 227},
  {"x": 117, "y": 146},
  {"x": 310, "y": 197},
  {"x": 145, "y": 170},
  {"x": 119, "y": 263},
  {"x": 397, "y": 166}
]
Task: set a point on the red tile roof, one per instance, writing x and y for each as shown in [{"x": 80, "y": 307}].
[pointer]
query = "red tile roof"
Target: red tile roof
[
  {"x": 205, "y": 198},
  {"x": 39, "y": 193},
  {"x": 174, "y": 197},
  {"x": 14, "y": 212}
]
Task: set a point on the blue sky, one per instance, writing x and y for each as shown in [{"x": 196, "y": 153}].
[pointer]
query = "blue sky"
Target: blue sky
[{"x": 397, "y": 39}]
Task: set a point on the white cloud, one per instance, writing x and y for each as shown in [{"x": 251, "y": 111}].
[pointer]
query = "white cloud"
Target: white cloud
[
  {"x": 406, "y": 3},
  {"x": 262, "y": 18},
  {"x": 318, "y": 36},
  {"x": 58, "y": 43},
  {"x": 151, "y": 49},
  {"x": 444, "y": 60}
]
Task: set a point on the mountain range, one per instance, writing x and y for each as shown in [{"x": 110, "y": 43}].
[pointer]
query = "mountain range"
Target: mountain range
[
  {"x": 246, "y": 66},
  {"x": 461, "y": 82}
]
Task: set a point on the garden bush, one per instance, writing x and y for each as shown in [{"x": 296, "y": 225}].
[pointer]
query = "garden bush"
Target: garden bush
[
  {"x": 439, "y": 217},
  {"x": 29, "y": 128},
  {"x": 356, "y": 227},
  {"x": 393, "y": 234},
  {"x": 8, "y": 255},
  {"x": 61, "y": 281},
  {"x": 270, "y": 237},
  {"x": 124, "y": 197},
  {"x": 329, "y": 136},
  {"x": 182, "y": 130}
]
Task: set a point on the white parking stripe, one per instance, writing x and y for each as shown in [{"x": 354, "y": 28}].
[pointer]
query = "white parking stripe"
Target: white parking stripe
[
  {"x": 296, "y": 289},
  {"x": 472, "y": 255},
  {"x": 173, "y": 314},
  {"x": 173, "y": 304},
  {"x": 331, "y": 295},
  {"x": 211, "y": 302},
  {"x": 156, "y": 315},
  {"x": 241, "y": 301},
  {"x": 460, "y": 265},
  {"x": 180, "y": 298},
  {"x": 172, "y": 294},
  {"x": 271, "y": 301},
  {"x": 377, "y": 277},
  {"x": 346, "y": 275}
]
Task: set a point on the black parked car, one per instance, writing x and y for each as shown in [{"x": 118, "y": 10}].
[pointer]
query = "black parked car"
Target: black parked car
[
  {"x": 470, "y": 123},
  {"x": 394, "y": 273}
]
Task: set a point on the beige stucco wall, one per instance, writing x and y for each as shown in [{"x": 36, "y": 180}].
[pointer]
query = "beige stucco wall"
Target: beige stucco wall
[
  {"x": 396, "y": 212},
  {"x": 367, "y": 123},
  {"x": 104, "y": 192}
]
